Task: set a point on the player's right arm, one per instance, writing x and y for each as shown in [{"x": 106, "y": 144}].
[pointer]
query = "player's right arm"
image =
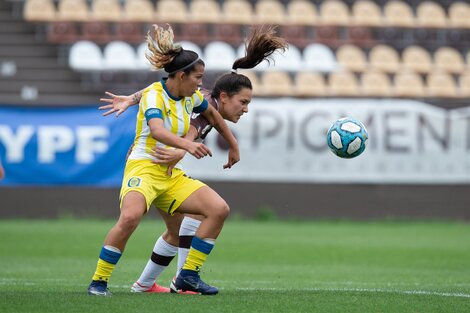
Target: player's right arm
[
  {"x": 119, "y": 103},
  {"x": 158, "y": 131}
]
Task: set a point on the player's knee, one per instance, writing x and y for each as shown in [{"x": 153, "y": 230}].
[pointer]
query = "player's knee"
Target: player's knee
[
  {"x": 129, "y": 222},
  {"x": 222, "y": 210}
]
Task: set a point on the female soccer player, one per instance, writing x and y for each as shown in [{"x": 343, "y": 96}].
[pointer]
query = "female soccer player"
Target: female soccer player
[
  {"x": 162, "y": 120},
  {"x": 231, "y": 95}
]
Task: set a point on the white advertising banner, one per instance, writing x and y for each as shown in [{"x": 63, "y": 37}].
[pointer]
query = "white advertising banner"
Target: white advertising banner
[{"x": 284, "y": 140}]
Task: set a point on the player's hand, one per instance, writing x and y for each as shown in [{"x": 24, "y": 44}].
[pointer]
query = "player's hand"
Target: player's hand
[
  {"x": 198, "y": 150},
  {"x": 233, "y": 157},
  {"x": 168, "y": 157},
  {"x": 117, "y": 104}
]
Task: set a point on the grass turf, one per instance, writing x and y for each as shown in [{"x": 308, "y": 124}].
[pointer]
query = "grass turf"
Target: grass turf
[{"x": 45, "y": 266}]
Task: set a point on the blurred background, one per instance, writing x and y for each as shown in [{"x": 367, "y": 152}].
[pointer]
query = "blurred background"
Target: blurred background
[{"x": 401, "y": 67}]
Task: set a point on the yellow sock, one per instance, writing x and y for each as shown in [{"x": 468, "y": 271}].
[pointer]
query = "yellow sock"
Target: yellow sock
[
  {"x": 109, "y": 256},
  {"x": 103, "y": 270},
  {"x": 197, "y": 255}
]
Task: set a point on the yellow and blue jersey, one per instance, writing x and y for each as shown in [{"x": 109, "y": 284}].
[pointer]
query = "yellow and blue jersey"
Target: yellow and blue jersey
[{"x": 157, "y": 102}]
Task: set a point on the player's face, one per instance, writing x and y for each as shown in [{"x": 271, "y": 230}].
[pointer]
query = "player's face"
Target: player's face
[
  {"x": 192, "y": 81},
  {"x": 237, "y": 105}
]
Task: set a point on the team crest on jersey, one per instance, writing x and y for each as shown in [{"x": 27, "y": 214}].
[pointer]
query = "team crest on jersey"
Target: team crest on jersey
[
  {"x": 188, "y": 106},
  {"x": 133, "y": 182}
]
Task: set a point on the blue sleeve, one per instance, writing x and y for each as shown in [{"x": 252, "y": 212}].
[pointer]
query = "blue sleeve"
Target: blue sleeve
[
  {"x": 153, "y": 113},
  {"x": 202, "y": 107}
]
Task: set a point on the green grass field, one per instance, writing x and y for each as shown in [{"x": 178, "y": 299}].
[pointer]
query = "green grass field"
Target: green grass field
[{"x": 45, "y": 266}]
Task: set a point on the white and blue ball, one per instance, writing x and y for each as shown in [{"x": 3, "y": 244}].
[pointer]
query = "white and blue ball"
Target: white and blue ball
[{"x": 347, "y": 138}]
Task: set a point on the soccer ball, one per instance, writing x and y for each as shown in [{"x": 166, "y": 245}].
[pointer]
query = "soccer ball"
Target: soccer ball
[{"x": 347, "y": 138}]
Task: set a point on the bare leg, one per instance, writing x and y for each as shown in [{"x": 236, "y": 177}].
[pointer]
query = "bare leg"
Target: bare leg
[
  {"x": 133, "y": 208},
  {"x": 211, "y": 206}
]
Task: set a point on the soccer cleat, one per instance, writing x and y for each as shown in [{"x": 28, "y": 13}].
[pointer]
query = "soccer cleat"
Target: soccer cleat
[
  {"x": 173, "y": 289},
  {"x": 136, "y": 287},
  {"x": 190, "y": 281},
  {"x": 99, "y": 288}
]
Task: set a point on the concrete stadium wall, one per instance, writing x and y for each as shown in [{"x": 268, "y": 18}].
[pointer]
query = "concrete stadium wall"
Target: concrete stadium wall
[{"x": 251, "y": 200}]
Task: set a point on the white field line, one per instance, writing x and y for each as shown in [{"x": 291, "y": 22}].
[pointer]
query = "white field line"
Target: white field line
[
  {"x": 64, "y": 282},
  {"x": 366, "y": 290}
]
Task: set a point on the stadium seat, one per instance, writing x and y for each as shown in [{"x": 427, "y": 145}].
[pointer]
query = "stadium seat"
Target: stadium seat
[
  {"x": 73, "y": 10},
  {"x": 351, "y": 58},
  {"x": 289, "y": 61},
  {"x": 139, "y": 11},
  {"x": 334, "y": 12},
  {"x": 449, "y": 59},
  {"x": 141, "y": 61},
  {"x": 301, "y": 12},
  {"x": 230, "y": 33},
  {"x": 430, "y": 14},
  {"x": 172, "y": 11},
  {"x": 366, "y": 13},
  {"x": 277, "y": 83},
  {"x": 85, "y": 56},
  {"x": 327, "y": 35},
  {"x": 189, "y": 45},
  {"x": 269, "y": 12},
  {"x": 417, "y": 59},
  {"x": 408, "y": 84},
  {"x": 309, "y": 84},
  {"x": 343, "y": 84},
  {"x": 441, "y": 84},
  {"x": 399, "y": 14},
  {"x": 195, "y": 32},
  {"x": 237, "y": 11},
  {"x": 62, "y": 32},
  {"x": 374, "y": 83},
  {"x": 360, "y": 36},
  {"x": 253, "y": 77},
  {"x": 129, "y": 31},
  {"x": 459, "y": 13},
  {"x": 384, "y": 58},
  {"x": 106, "y": 10},
  {"x": 96, "y": 31},
  {"x": 464, "y": 84},
  {"x": 39, "y": 10},
  {"x": 119, "y": 55},
  {"x": 219, "y": 56},
  {"x": 204, "y": 11},
  {"x": 319, "y": 58},
  {"x": 296, "y": 34}
]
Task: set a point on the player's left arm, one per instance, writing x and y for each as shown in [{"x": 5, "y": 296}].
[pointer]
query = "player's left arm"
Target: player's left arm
[{"x": 216, "y": 120}]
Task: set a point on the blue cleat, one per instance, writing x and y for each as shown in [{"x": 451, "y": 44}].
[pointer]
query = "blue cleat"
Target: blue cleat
[
  {"x": 99, "y": 288},
  {"x": 190, "y": 281}
]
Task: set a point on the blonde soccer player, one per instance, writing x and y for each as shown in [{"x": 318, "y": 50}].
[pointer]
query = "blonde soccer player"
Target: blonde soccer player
[
  {"x": 162, "y": 121},
  {"x": 230, "y": 95}
]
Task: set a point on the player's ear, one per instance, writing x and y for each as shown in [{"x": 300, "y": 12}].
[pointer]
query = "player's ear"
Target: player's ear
[
  {"x": 223, "y": 96},
  {"x": 180, "y": 75}
]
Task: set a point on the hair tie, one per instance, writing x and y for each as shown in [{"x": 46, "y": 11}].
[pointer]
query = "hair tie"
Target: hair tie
[
  {"x": 234, "y": 71},
  {"x": 185, "y": 67}
]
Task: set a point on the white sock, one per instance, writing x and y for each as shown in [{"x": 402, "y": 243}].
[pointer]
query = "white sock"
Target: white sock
[
  {"x": 162, "y": 255},
  {"x": 188, "y": 227}
]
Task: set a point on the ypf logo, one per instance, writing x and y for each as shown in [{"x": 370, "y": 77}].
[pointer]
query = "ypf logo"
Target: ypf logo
[{"x": 133, "y": 182}]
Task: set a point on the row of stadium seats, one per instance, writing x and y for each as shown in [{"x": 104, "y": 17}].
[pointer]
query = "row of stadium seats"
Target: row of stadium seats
[
  {"x": 64, "y": 32},
  {"x": 219, "y": 56},
  {"x": 329, "y": 12},
  {"x": 372, "y": 83},
  {"x": 306, "y": 80}
]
